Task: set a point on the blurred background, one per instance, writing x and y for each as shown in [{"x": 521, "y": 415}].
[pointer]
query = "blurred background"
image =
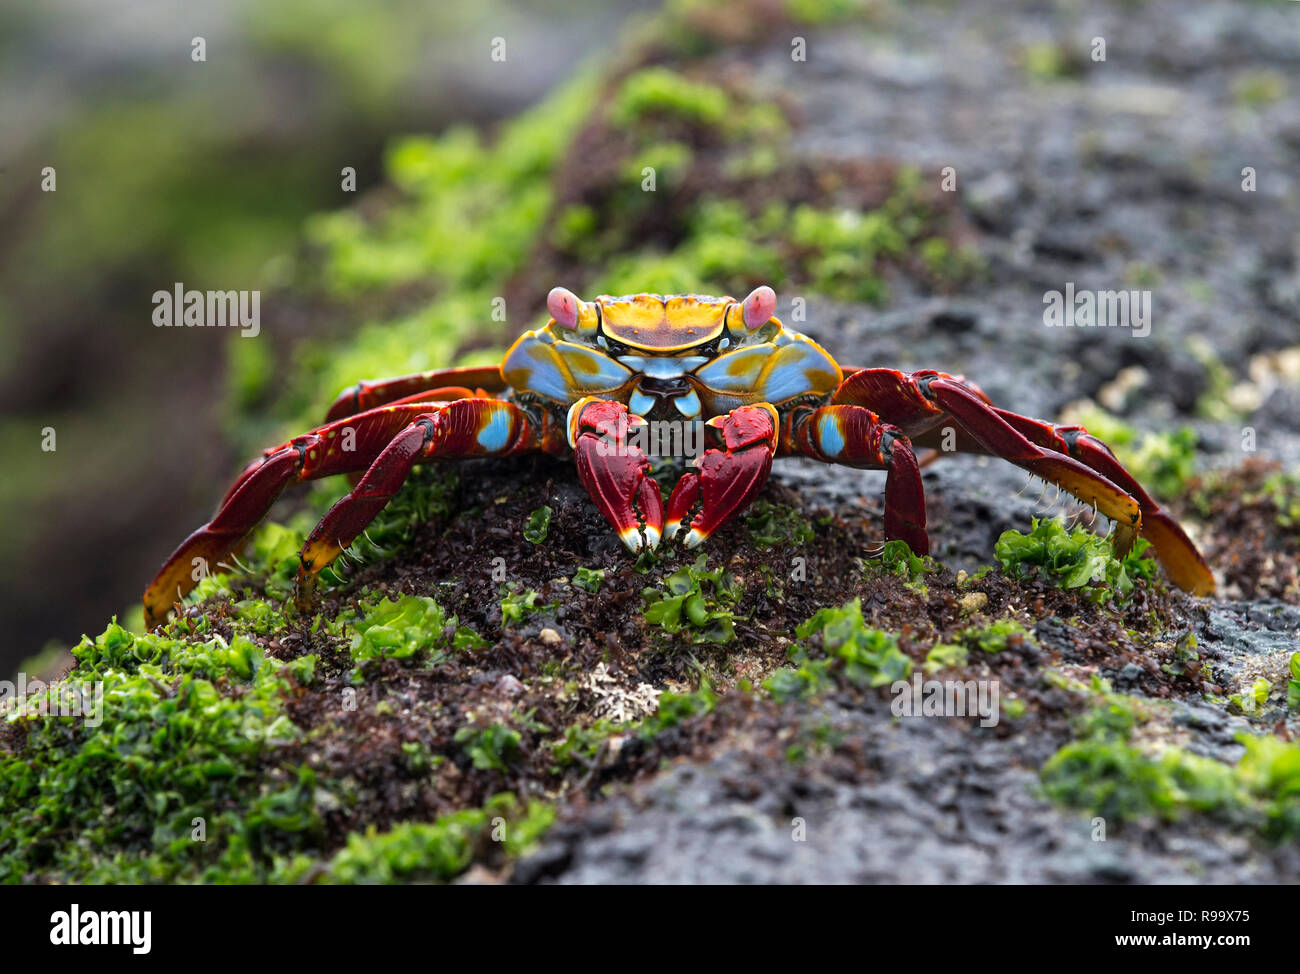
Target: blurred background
[{"x": 170, "y": 170}]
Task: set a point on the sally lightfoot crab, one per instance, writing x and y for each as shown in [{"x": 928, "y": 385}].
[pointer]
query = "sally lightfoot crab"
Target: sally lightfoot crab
[{"x": 599, "y": 369}]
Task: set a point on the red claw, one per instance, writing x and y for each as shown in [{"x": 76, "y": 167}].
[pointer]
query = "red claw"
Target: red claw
[
  {"x": 616, "y": 474},
  {"x": 727, "y": 480},
  {"x": 681, "y": 503}
]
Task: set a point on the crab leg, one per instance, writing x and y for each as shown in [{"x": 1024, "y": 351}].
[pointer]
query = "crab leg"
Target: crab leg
[
  {"x": 1172, "y": 546},
  {"x": 725, "y": 480},
  {"x": 442, "y": 385},
  {"x": 923, "y": 402},
  {"x": 616, "y": 473},
  {"x": 856, "y": 437},
  {"x": 455, "y": 431},
  {"x": 323, "y": 452}
]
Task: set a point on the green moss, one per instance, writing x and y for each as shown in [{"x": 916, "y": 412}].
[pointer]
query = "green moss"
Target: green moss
[
  {"x": 661, "y": 92},
  {"x": 822, "y": 13},
  {"x": 1076, "y": 559},
  {"x": 438, "y": 851},
  {"x": 838, "y": 252},
  {"x": 836, "y": 644},
  {"x": 581, "y": 744},
  {"x": 252, "y": 373},
  {"x": 589, "y": 579},
  {"x": 772, "y": 524},
  {"x": 1252, "y": 701},
  {"x": 1049, "y": 61},
  {"x": 1106, "y": 773},
  {"x": 1120, "y": 782},
  {"x": 1258, "y": 89},
  {"x": 414, "y": 626},
  {"x": 452, "y": 228},
  {"x": 539, "y": 522},
  {"x": 948, "y": 264},
  {"x": 1282, "y": 490},
  {"x": 670, "y": 161},
  {"x": 896, "y": 558},
  {"x": 945, "y": 656},
  {"x": 1216, "y": 401},
  {"x": 1279, "y": 491},
  {"x": 517, "y": 606},
  {"x": 491, "y": 748},
  {"x": 184, "y": 731},
  {"x": 995, "y": 637},
  {"x": 696, "y": 602},
  {"x": 674, "y": 708}
]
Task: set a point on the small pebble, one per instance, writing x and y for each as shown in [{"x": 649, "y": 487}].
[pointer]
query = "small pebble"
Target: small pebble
[
  {"x": 509, "y": 686},
  {"x": 550, "y": 637},
  {"x": 974, "y": 601}
]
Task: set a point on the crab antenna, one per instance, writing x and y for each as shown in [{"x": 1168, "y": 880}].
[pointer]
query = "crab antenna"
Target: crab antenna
[
  {"x": 758, "y": 308},
  {"x": 564, "y": 305}
]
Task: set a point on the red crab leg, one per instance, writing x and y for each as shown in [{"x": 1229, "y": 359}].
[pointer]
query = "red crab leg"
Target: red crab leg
[
  {"x": 462, "y": 383},
  {"x": 856, "y": 437},
  {"x": 422, "y": 387},
  {"x": 1175, "y": 550},
  {"x": 616, "y": 473},
  {"x": 923, "y": 402},
  {"x": 726, "y": 480},
  {"x": 320, "y": 453},
  {"x": 455, "y": 431}
]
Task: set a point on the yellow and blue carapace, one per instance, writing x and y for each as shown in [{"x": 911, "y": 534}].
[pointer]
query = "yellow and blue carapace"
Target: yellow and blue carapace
[{"x": 580, "y": 385}]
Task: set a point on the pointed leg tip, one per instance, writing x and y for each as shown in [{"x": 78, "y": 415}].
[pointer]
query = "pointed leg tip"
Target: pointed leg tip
[
  {"x": 632, "y": 540},
  {"x": 671, "y": 529},
  {"x": 694, "y": 538}
]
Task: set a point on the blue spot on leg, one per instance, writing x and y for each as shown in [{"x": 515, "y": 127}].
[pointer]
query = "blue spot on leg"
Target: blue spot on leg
[
  {"x": 496, "y": 434},
  {"x": 829, "y": 437}
]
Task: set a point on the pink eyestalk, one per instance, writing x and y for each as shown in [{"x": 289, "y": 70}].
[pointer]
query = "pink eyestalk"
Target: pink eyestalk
[
  {"x": 564, "y": 307},
  {"x": 758, "y": 308}
]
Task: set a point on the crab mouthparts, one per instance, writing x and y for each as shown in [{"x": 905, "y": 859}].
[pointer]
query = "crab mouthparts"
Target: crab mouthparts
[{"x": 651, "y": 392}]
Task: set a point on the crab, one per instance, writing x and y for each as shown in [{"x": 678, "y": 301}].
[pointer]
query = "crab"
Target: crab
[{"x": 583, "y": 385}]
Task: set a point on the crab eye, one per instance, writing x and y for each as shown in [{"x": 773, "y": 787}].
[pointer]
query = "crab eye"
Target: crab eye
[
  {"x": 564, "y": 306},
  {"x": 759, "y": 307}
]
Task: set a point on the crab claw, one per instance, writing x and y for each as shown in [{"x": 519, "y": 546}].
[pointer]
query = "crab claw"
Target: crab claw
[
  {"x": 616, "y": 473},
  {"x": 727, "y": 480}
]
